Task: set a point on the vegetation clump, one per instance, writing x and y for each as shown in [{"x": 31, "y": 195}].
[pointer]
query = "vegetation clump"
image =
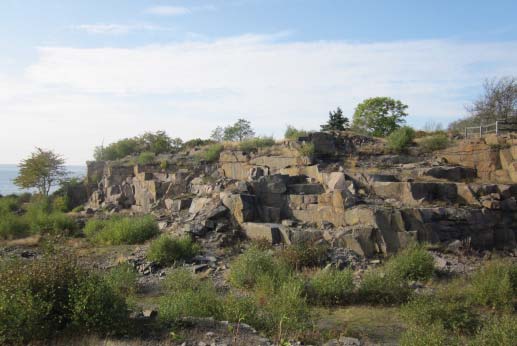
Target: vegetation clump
[
  {"x": 379, "y": 116},
  {"x": 412, "y": 263},
  {"x": 145, "y": 158},
  {"x": 400, "y": 139},
  {"x": 434, "y": 142},
  {"x": 495, "y": 285},
  {"x": 293, "y": 133},
  {"x": 166, "y": 250},
  {"x": 212, "y": 153},
  {"x": 331, "y": 286},
  {"x": 253, "y": 144},
  {"x": 337, "y": 121},
  {"x": 121, "y": 230},
  {"x": 51, "y": 295}
]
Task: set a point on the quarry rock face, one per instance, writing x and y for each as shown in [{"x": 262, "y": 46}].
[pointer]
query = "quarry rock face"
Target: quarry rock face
[{"x": 348, "y": 194}]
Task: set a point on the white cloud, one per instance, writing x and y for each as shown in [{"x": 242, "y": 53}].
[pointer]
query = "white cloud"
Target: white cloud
[
  {"x": 168, "y": 10},
  {"x": 72, "y": 98},
  {"x": 117, "y": 29}
]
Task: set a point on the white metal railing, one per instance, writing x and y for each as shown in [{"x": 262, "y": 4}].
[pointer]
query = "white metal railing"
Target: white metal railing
[{"x": 479, "y": 131}]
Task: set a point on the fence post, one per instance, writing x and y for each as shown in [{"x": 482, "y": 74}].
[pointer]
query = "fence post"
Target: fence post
[
  {"x": 480, "y": 131},
  {"x": 497, "y": 128}
]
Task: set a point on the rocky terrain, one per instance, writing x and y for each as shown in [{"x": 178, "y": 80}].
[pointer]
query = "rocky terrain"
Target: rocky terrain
[{"x": 349, "y": 193}]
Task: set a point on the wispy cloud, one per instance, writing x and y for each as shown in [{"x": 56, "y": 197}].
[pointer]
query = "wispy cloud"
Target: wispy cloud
[
  {"x": 118, "y": 29},
  {"x": 177, "y": 10},
  {"x": 272, "y": 82}
]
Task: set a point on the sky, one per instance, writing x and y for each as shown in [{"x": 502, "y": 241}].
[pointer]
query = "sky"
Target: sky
[{"x": 75, "y": 74}]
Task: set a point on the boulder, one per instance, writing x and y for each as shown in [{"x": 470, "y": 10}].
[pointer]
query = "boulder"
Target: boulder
[
  {"x": 242, "y": 206},
  {"x": 268, "y": 231}
]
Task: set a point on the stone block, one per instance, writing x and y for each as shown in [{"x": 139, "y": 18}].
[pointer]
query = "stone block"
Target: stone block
[
  {"x": 260, "y": 231},
  {"x": 305, "y": 189}
]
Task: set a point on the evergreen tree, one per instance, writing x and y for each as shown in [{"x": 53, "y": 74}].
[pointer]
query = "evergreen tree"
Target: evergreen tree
[{"x": 337, "y": 121}]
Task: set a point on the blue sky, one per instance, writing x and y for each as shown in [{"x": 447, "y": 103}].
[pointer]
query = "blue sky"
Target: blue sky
[{"x": 74, "y": 74}]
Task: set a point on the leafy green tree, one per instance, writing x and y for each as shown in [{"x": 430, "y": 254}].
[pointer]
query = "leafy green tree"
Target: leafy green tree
[
  {"x": 41, "y": 170},
  {"x": 379, "y": 116},
  {"x": 337, "y": 121},
  {"x": 240, "y": 130}
]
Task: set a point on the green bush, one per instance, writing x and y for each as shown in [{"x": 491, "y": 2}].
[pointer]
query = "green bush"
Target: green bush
[
  {"x": 78, "y": 209},
  {"x": 46, "y": 296},
  {"x": 9, "y": 205},
  {"x": 96, "y": 307},
  {"x": 166, "y": 250},
  {"x": 284, "y": 310},
  {"x": 122, "y": 279},
  {"x": 436, "y": 142},
  {"x": 255, "y": 265},
  {"x": 454, "y": 315},
  {"x": 331, "y": 286},
  {"x": 495, "y": 285},
  {"x": 60, "y": 203},
  {"x": 293, "y": 133},
  {"x": 303, "y": 255},
  {"x": 412, "y": 263},
  {"x": 121, "y": 230},
  {"x": 498, "y": 331},
  {"x": 253, "y": 144},
  {"x": 427, "y": 335},
  {"x": 242, "y": 309},
  {"x": 145, "y": 158},
  {"x": 307, "y": 149},
  {"x": 400, "y": 139},
  {"x": 13, "y": 227},
  {"x": 379, "y": 287},
  {"x": 188, "y": 296},
  {"x": 164, "y": 164},
  {"x": 211, "y": 154}
]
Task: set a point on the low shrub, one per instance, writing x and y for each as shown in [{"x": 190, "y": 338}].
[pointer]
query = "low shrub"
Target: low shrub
[
  {"x": 427, "y": 335},
  {"x": 497, "y": 331},
  {"x": 188, "y": 296},
  {"x": 13, "y": 227},
  {"x": 293, "y": 133},
  {"x": 78, "y": 209},
  {"x": 253, "y": 144},
  {"x": 284, "y": 310},
  {"x": 432, "y": 143},
  {"x": 495, "y": 285},
  {"x": 243, "y": 309},
  {"x": 166, "y": 250},
  {"x": 164, "y": 164},
  {"x": 121, "y": 230},
  {"x": 122, "y": 279},
  {"x": 256, "y": 265},
  {"x": 331, "y": 286},
  {"x": 211, "y": 154},
  {"x": 380, "y": 287},
  {"x": 9, "y": 205},
  {"x": 302, "y": 255},
  {"x": 307, "y": 149},
  {"x": 146, "y": 157},
  {"x": 49, "y": 295},
  {"x": 412, "y": 263},
  {"x": 400, "y": 139},
  {"x": 60, "y": 203},
  {"x": 454, "y": 315}
]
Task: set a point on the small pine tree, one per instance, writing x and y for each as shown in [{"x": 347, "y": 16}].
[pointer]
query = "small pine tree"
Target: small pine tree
[{"x": 337, "y": 121}]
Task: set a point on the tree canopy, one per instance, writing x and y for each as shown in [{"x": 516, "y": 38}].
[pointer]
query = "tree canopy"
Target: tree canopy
[
  {"x": 156, "y": 142},
  {"x": 42, "y": 170},
  {"x": 379, "y": 116},
  {"x": 239, "y": 131},
  {"x": 337, "y": 121}
]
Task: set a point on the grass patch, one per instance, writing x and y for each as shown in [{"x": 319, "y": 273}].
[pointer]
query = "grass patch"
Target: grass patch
[
  {"x": 497, "y": 331},
  {"x": 431, "y": 335},
  {"x": 212, "y": 153},
  {"x": 256, "y": 265},
  {"x": 432, "y": 143},
  {"x": 121, "y": 230},
  {"x": 253, "y": 144},
  {"x": 412, "y": 263},
  {"x": 331, "y": 286},
  {"x": 293, "y": 133},
  {"x": 145, "y": 158},
  {"x": 380, "y": 287},
  {"x": 304, "y": 255},
  {"x": 188, "y": 296},
  {"x": 307, "y": 149},
  {"x": 495, "y": 285},
  {"x": 166, "y": 250}
]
